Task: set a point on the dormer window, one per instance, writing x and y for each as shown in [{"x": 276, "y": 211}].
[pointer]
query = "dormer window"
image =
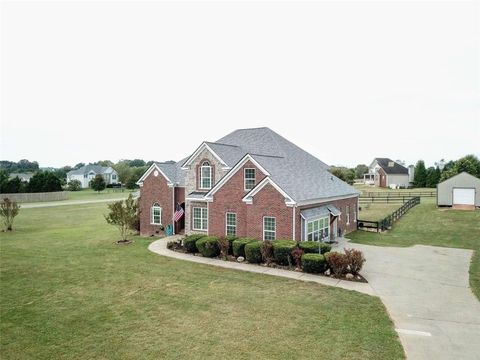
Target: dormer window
[
  {"x": 249, "y": 179},
  {"x": 205, "y": 175}
]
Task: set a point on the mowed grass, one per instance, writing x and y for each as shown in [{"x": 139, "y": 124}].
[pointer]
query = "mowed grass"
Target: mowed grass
[
  {"x": 377, "y": 211},
  {"x": 89, "y": 194},
  {"x": 368, "y": 188},
  {"x": 67, "y": 291},
  {"x": 426, "y": 224}
]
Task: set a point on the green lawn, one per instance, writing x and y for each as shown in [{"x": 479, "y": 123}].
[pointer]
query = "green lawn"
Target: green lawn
[
  {"x": 376, "y": 211},
  {"x": 89, "y": 194},
  {"x": 427, "y": 225},
  {"x": 67, "y": 291}
]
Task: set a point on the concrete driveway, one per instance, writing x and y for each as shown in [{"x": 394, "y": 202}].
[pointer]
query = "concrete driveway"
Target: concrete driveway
[{"x": 426, "y": 292}]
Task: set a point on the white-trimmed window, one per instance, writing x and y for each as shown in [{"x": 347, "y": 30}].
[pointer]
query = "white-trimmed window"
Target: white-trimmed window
[
  {"x": 318, "y": 229},
  {"x": 347, "y": 210},
  {"x": 156, "y": 215},
  {"x": 269, "y": 228},
  {"x": 205, "y": 175},
  {"x": 355, "y": 215},
  {"x": 114, "y": 177},
  {"x": 200, "y": 218},
  {"x": 249, "y": 179},
  {"x": 231, "y": 224}
]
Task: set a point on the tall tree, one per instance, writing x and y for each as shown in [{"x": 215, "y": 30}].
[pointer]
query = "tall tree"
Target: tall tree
[
  {"x": 360, "y": 170},
  {"x": 420, "y": 176},
  {"x": 433, "y": 177}
]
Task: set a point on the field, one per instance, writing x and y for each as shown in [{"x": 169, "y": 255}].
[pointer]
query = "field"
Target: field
[
  {"x": 67, "y": 291},
  {"x": 89, "y": 194},
  {"x": 427, "y": 225},
  {"x": 367, "y": 188}
]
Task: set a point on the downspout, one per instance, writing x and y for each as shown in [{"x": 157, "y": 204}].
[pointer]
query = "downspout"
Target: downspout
[
  {"x": 173, "y": 210},
  {"x": 293, "y": 221}
]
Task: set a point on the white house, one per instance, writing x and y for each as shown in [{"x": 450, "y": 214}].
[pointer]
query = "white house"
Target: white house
[
  {"x": 88, "y": 172},
  {"x": 384, "y": 172}
]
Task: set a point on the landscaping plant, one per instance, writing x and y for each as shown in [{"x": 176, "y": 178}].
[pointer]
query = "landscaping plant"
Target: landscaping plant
[
  {"x": 8, "y": 210},
  {"x": 253, "y": 252},
  {"x": 224, "y": 246},
  {"x": 282, "y": 251},
  {"x": 267, "y": 251},
  {"x": 313, "y": 263},
  {"x": 314, "y": 247},
  {"x": 355, "y": 260},
  {"x": 297, "y": 257},
  {"x": 338, "y": 262},
  {"x": 208, "y": 246},
  {"x": 189, "y": 242},
  {"x": 123, "y": 214},
  {"x": 98, "y": 183},
  {"x": 239, "y": 246}
]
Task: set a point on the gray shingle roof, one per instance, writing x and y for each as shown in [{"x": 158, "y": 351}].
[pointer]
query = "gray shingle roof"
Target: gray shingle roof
[
  {"x": 301, "y": 175},
  {"x": 97, "y": 169}
]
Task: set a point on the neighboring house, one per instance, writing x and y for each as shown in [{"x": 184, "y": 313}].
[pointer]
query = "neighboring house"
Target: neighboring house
[
  {"x": 250, "y": 183},
  {"x": 384, "y": 172},
  {"x": 21, "y": 176},
  {"x": 88, "y": 172},
  {"x": 459, "y": 191}
]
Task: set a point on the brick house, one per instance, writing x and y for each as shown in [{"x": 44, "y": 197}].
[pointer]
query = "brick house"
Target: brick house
[{"x": 250, "y": 183}]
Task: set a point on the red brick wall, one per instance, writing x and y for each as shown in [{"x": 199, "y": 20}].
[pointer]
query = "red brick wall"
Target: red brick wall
[
  {"x": 229, "y": 199},
  {"x": 382, "y": 178},
  {"x": 269, "y": 202},
  {"x": 155, "y": 189}
]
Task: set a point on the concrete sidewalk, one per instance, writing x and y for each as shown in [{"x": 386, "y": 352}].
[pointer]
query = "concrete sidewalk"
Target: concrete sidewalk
[{"x": 160, "y": 247}]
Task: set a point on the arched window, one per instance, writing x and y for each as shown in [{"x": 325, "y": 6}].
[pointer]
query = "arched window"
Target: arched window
[
  {"x": 156, "y": 214},
  {"x": 205, "y": 175}
]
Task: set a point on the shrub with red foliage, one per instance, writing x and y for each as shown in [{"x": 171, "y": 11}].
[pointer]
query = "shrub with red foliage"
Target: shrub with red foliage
[
  {"x": 337, "y": 262},
  {"x": 355, "y": 260}
]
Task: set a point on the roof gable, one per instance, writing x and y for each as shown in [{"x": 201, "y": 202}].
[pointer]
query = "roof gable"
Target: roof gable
[
  {"x": 390, "y": 166},
  {"x": 200, "y": 149}
]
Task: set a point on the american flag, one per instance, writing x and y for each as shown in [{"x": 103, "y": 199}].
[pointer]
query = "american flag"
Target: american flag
[{"x": 178, "y": 213}]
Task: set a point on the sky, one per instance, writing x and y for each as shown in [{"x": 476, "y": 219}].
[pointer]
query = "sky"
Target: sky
[{"x": 346, "y": 81}]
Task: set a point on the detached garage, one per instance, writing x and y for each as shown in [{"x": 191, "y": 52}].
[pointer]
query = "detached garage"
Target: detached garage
[{"x": 460, "y": 191}]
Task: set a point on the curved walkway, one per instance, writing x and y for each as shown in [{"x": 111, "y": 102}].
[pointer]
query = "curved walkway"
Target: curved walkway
[
  {"x": 424, "y": 288},
  {"x": 160, "y": 247}
]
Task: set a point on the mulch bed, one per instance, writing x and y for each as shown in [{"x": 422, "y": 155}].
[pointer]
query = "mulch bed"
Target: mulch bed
[{"x": 179, "y": 248}]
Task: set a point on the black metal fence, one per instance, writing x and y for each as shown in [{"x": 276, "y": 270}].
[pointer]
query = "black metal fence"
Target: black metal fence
[{"x": 388, "y": 221}]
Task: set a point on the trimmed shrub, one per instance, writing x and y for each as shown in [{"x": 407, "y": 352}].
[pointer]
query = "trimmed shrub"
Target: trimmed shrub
[
  {"x": 297, "y": 254},
  {"x": 224, "y": 246},
  {"x": 208, "y": 246},
  {"x": 238, "y": 246},
  {"x": 189, "y": 242},
  {"x": 313, "y": 263},
  {"x": 253, "y": 252},
  {"x": 355, "y": 260},
  {"x": 267, "y": 251},
  {"x": 231, "y": 239},
  {"x": 338, "y": 262},
  {"x": 311, "y": 247},
  {"x": 282, "y": 251}
]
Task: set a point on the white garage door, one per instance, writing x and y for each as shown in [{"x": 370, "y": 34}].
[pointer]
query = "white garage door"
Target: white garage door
[{"x": 464, "y": 196}]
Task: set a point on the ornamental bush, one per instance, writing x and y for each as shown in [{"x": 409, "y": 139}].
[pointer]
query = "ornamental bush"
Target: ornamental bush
[
  {"x": 231, "y": 239},
  {"x": 189, "y": 243},
  {"x": 338, "y": 262},
  {"x": 208, "y": 246},
  {"x": 313, "y": 263},
  {"x": 311, "y": 247},
  {"x": 267, "y": 251},
  {"x": 282, "y": 251},
  {"x": 253, "y": 252},
  {"x": 355, "y": 260},
  {"x": 239, "y": 246}
]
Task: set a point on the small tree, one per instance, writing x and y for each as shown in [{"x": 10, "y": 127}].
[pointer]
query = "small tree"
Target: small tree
[
  {"x": 8, "y": 211},
  {"x": 420, "y": 174},
  {"x": 74, "y": 185},
  {"x": 98, "y": 183},
  {"x": 123, "y": 214}
]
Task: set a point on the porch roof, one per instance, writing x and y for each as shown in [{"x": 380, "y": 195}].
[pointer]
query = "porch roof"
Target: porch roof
[{"x": 318, "y": 212}]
